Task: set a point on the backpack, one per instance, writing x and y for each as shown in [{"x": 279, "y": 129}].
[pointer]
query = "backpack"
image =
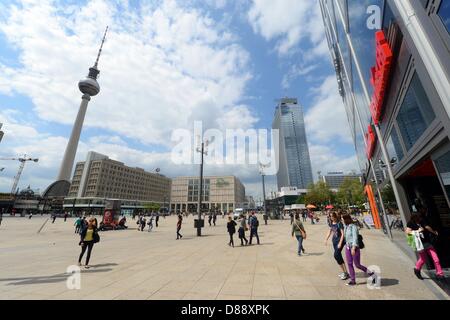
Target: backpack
[{"x": 361, "y": 244}]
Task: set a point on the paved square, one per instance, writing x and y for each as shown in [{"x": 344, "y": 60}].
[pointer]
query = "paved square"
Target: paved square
[{"x": 129, "y": 264}]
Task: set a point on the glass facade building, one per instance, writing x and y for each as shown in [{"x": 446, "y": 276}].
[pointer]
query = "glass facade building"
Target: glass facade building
[
  {"x": 415, "y": 110},
  {"x": 294, "y": 162}
]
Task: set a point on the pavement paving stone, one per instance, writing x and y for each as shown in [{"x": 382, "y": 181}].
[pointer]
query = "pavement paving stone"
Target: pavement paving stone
[{"x": 141, "y": 265}]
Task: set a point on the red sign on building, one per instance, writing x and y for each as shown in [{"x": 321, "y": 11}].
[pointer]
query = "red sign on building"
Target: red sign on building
[
  {"x": 380, "y": 75},
  {"x": 371, "y": 140}
]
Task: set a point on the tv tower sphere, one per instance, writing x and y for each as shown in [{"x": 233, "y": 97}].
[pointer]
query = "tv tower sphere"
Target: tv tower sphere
[{"x": 90, "y": 85}]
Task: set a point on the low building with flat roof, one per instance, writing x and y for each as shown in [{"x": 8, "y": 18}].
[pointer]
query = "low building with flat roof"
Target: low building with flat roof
[{"x": 220, "y": 193}]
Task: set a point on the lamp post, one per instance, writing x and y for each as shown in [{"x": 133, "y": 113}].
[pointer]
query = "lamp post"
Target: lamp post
[
  {"x": 261, "y": 171},
  {"x": 203, "y": 149}
]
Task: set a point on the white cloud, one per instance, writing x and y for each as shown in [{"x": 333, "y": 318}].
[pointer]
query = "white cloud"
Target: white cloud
[
  {"x": 161, "y": 67},
  {"x": 326, "y": 159},
  {"x": 288, "y": 22},
  {"x": 326, "y": 120}
]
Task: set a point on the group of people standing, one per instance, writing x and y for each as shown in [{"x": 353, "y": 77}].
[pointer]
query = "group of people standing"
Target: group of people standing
[{"x": 244, "y": 224}]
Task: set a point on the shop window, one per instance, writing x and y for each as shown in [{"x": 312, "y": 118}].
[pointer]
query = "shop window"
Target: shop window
[
  {"x": 443, "y": 168},
  {"x": 394, "y": 146},
  {"x": 415, "y": 114}
]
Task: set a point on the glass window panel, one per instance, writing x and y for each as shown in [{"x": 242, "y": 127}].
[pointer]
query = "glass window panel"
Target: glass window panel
[
  {"x": 444, "y": 13},
  {"x": 443, "y": 167},
  {"x": 415, "y": 114},
  {"x": 363, "y": 38},
  {"x": 394, "y": 147}
]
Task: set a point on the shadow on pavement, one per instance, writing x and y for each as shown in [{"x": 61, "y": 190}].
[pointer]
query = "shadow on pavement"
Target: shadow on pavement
[
  {"x": 389, "y": 282},
  {"x": 46, "y": 279}
]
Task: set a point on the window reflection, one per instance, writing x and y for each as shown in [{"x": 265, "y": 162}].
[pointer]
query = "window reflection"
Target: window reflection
[
  {"x": 444, "y": 13},
  {"x": 415, "y": 114}
]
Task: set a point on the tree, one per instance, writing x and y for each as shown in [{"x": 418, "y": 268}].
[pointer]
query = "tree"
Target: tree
[
  {"x": 152, "y": 206},
  {"x": 389, "y": 197},
  {"x": 301, "y": 199},
  {"x": 319, "y": 194},
  {"x": 351, "y": 192}
]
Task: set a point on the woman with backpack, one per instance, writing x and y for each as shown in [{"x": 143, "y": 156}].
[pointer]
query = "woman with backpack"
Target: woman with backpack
[
  {"x": 242, "y": 229},
  {"x": 353, "y": 246},
  {"x": 337, "y": 233},
  {"x": 418, "y": 227},
  {"x": 89, "y": 236},
  {"x": 298, "y": 230}
]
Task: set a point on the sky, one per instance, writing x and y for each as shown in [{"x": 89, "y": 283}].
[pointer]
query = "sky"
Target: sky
[{"x": 165, "y": 64}]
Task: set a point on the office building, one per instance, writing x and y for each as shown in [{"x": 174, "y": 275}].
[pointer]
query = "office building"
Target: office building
[
  {"x": 334, "y": 180},
  {"x": 103, "y": 178},
  {"x": 393, "y": 72},
  {"x": 219, "y": 193},
  {"x": 294, "y": 162}
]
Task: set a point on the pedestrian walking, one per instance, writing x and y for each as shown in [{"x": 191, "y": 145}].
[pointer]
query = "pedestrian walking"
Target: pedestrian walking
[
  {"x": 311, "y": 216},
  {"x": 298, "y": 230},
  {"x": 53, "y": 217},
  {"x": 1, "y": 218},
  {"x": 31, "y": 215},
  {"x": 150, "y": 223},
  {"x": 353, "y": 246},
  {"x": 157, "y": 219},
  {"x": 254, "y": 224},
  {"x": 422, "y": 235},
  {"x": 65, "y": 216},
  {"x": 242, "y": 228},
  {"x": 78, "y": 225},
  {"x": 265, "y": 217},
  {"x": 89, "y": 236},
  {"x": 337, "y": 233},
  {"x": 179, "y": 223},
  {"x": 231, "y": 227},
  {"x": 304, "y": 215},
  {"x": 209, "y": 218},
  {"x": 143, "y": 223},
  {"x": 291, "y": 215},
  {"x": 214, "y": 218}
]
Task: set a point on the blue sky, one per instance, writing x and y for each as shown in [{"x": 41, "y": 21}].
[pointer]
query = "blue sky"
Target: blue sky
[{"x": 165, "y": 65}]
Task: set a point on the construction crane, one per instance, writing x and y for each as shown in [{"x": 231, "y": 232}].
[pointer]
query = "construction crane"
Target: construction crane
[{"x": 22, "y": 161}]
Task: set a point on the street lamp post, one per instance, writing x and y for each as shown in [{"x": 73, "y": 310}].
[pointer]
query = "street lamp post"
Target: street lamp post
[
  {"x": 203, "y": 149},
  {"x": 261, "y": 171}
]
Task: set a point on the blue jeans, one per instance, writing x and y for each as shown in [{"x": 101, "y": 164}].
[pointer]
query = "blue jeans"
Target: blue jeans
[{"x": 300, "y": 244}]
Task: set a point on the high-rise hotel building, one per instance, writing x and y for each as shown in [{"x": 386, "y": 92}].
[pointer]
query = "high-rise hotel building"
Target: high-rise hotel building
[
  {"x": 392, "y": 60},
  {"x": 294, "y": 163}
]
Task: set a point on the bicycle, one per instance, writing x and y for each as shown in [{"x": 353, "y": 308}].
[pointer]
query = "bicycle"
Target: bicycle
[{"x": 397, "y": 224}]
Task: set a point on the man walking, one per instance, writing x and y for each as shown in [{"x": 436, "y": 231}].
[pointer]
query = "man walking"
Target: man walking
[
  {"x": 78, "y": 224},
  {"x": 157, "y": 219},
  {"x": 209, "y": 219},
  {"x": 254, "y": 224},
  {"x": 53, "y": 217},
  {"x": 265, "y": 216},
  {"x": 179, "y": 223},
  {"x": 214, "y": 218}
]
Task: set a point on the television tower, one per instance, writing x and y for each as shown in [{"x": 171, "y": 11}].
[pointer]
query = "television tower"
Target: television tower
[{"x": 89, "y": 87}]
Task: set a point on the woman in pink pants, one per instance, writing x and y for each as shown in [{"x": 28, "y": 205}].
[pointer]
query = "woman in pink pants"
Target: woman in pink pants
[{"x": 417, "y": 223}]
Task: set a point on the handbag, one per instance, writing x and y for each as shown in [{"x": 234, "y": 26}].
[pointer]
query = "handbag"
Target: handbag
[
  {"x": 361, "y": 244},
  {"x": 303, "y": 233},
  {"x": 96, "y": 237}
]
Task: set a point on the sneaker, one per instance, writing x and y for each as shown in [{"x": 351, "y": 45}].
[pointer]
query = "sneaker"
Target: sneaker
[
  {"x": 351, "y": 283},
  {"x": 343, "y": 276},
  {"x": 418, "y": 274},
  {"x": 86, "y": 267}
]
